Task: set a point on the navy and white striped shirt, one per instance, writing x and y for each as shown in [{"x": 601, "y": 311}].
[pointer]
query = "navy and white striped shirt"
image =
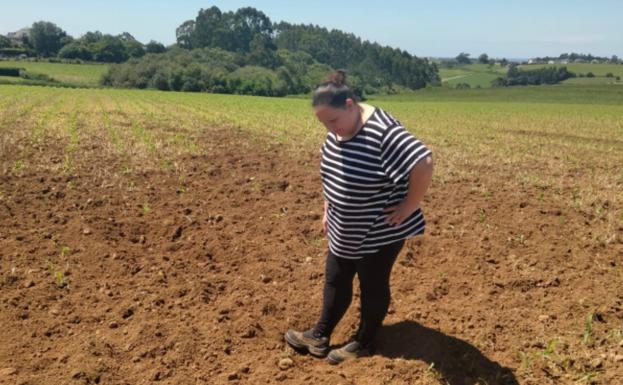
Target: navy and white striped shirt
[{"x": 363, "y": 175}]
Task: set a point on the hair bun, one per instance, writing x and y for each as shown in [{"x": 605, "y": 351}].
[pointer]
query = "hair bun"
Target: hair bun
[{"x": 338, "y": 78}]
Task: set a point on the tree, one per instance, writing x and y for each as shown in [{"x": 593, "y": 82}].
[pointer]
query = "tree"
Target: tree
[
  {"x": 154, "y": 47},
  {"x": 92, "y": 37},
  {"x": 133, "y": 48},
  {"x": 262, "y": 52},
  {"x": 483, "y": 59},
  {"x": 251, "y": 80},
  {"x": 208, "y": 29},
  {"x": 498, "y": 82},
  {"x": 547, "y": 75},
  {"x": 463, "y": 58},
  {"x": 5, "y": 42},
  {"x": 109, "y": 49},
  {"x": 75, "y": 50},
  {"x": 247, "y": 23},
  {"x": 183, "y": 34},
  {"x": 230, "y": 31},
  {"x": 46, "y": 38}
]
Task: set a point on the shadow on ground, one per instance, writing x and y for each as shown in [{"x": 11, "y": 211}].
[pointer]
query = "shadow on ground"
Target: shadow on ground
[{"x": 453, "y": 360}]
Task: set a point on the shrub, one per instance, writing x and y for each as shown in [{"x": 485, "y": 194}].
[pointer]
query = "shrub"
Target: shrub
[{"x": 10, "y": 71}]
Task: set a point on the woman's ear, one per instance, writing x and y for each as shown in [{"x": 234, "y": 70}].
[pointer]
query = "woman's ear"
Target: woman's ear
[{"x": 349, "y": 102}]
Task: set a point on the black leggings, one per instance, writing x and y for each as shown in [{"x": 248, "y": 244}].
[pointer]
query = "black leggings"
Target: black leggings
[{"x": 373, "y": 272}]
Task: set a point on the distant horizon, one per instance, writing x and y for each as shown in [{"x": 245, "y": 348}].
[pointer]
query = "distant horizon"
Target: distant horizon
[
  {"x": 472, "y": 55},
  {"x": 440, "y": 30}
]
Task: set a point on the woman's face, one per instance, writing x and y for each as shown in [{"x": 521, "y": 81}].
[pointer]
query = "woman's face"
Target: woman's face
[{"x": 340, "y": 121}]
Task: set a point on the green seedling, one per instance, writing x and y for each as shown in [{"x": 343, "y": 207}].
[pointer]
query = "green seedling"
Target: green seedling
[
  {"x": 145, "y": 209},
  {"x": 482, "y": 215},
  {"x": 588, "y": 328},
  {"x": 588, "y": 377},
  {"x": 166, "y": 164},
  {"x": 550, "y": 348},
  {"x": 521, "y": 239},
  {"x": 17, "y": 167},
  {"x": 526, "y": 359},
  {"x": 317, "y": 241},
  {"x": 57, "y": 274},
  {"x": 433, "y": 373},
  {"x": 65, "y": 251},
  {"x": 60, "y": 279}
]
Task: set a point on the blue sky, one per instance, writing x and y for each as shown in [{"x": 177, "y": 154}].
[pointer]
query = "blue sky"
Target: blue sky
[{"x": 522, "y": 29}]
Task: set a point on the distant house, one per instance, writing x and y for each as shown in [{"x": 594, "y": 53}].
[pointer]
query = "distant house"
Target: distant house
[
  {"x": 551, "y": 62},
  {"x": 531, "y": 61}
]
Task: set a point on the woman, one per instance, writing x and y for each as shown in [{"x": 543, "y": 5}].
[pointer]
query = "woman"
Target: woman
[{"x": 374, "y": 177}]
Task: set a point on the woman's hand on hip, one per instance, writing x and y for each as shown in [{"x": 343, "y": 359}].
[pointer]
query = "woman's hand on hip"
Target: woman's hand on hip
[{"x": 399, "y": 213}]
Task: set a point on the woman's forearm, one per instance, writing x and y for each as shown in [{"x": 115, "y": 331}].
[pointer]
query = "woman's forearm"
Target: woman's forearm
[{"x": 419, "y": 180}]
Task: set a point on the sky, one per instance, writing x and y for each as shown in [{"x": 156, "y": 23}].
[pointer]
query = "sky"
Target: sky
[{"x": 433, "y": 28}]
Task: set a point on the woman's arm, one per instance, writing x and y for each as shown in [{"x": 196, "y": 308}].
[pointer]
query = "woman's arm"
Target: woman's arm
[
  {"x": 420, "y": 178},
  {"x": 324, "y": 218}
]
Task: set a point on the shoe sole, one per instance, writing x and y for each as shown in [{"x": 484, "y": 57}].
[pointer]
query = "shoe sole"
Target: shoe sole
[
  {"x": 297, "y": 344},
  {"x": 333, "y": 360}
]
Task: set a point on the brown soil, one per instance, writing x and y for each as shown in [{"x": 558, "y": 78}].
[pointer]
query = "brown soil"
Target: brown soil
[{"x": 195, "y": 280}]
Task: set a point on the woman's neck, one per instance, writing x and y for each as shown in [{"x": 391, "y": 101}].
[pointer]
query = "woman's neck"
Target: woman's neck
[{"x": 364, "y": 113}]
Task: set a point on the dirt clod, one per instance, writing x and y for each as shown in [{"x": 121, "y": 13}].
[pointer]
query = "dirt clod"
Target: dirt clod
[{"x": 285, "y": 363}]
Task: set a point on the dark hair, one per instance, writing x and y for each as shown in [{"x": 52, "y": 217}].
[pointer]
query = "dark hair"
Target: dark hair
[{"x": 334, "y": 91}]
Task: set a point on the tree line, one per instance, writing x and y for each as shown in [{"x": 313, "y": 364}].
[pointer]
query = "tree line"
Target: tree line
[
  {"x": 240, "y": 51},
  {"x": 518, "y": 77},
  {"x": 578, "y": 58},
  {"x": 47, "y": 40},
  {"x": 244, "y": 52},
  {"x": 219, "y": 71}
]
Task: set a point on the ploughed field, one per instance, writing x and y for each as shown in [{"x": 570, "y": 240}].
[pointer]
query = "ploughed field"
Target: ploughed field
[{"x": 173, "y": 238}]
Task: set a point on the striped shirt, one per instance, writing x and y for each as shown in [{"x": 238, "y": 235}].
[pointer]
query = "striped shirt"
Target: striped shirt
[{"x": 363, "y": 175}]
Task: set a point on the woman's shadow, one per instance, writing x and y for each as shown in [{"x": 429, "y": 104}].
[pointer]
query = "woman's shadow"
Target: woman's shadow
[{"x": 451, "y": 360}]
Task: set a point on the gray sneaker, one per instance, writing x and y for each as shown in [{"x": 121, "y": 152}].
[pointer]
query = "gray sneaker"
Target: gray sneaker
[
  {"x": 316, "y": 346},
  {"x": 349, "y": 351}
]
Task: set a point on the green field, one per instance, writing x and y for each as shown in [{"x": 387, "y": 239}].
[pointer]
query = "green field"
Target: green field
[
  {"x": 550, "y": 128},
  {"x": 474, "y": 74},
  {"x": 81, "y": 74},
  {"x": 510, "y": 125},
  {"x": 481, "y": 75},
  {"x": 525, "y": 215},
  {"x": 599, "y": 70}
]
